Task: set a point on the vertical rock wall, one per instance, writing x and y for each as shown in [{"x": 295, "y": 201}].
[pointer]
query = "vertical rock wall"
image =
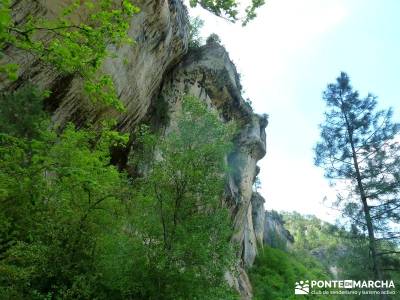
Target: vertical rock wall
[
  {"x": 275, "y": 233},
  {"x": 156, "y": 69},
  {"x": 210, "y": 75}
]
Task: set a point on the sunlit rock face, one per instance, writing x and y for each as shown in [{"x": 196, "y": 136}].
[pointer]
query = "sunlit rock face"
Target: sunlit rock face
[
  {"x": 210, "y": 75},
  {"x": 157, "y": 70},
  {"x": 161, "y": 34}
]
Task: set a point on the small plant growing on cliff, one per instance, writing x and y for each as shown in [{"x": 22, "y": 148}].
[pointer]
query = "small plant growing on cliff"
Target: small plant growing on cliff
[
  {"x": 213, "y": 39},
  {"x": 195, "y": 39},
  {"x": 257, "y": 184}
]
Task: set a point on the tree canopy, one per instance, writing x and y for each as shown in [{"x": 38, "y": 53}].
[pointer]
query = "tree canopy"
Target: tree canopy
[
  {"x": 72, "y": 226},
  {"x": 360, "y": 147},
  {"x": 229, "y": 9}
]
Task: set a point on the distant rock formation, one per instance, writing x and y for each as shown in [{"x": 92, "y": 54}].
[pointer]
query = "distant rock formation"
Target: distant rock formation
[{"x": 275, "y": 233}]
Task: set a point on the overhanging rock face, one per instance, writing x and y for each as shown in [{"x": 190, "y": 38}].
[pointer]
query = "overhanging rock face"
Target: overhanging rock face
[
  {"x": 161, "y": 34},
  {"x": 158, "y": 67}
]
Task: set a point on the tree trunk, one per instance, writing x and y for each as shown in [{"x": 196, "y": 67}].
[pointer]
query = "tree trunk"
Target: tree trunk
[{"x": 371, "y": 236}]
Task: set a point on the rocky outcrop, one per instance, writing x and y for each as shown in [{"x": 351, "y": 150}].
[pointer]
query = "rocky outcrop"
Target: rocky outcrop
[
  {"x": 210, "y": 75},
  {"x": 258, "y": 215},
  {"x": 158, "y": 71},
  {"x": 275, "y": 233},
  {"x": 161, "y": 34}
]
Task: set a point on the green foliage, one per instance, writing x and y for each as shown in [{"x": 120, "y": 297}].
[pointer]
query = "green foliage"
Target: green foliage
[
  {"x": 251, "y": 10},
  {"x": 73, "y": 227},
  {"x": 195, "y": 39},
  {"x": 229, "y": 9},
  {"x": 359, "y": 147},
  {"x": 57, "y": 195},
  {"x": 330, "y": 245},
  {"x": 333, "y": 246},
  {"x": 21, "y": 113},
  {"x": 72, "y": 47},
  {"x": 275, "y": 273},
  {"x": 182, "y": 224},
  {"x": 312, "y": 235}
]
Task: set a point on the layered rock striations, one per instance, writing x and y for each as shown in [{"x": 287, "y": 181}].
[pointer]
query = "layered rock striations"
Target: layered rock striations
[
  {"x": 160, "y": 32},
  {"x": 159, "y": 70}
]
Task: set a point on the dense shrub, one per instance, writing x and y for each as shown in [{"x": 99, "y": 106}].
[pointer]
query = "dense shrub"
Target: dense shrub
[
  {"x": 275, "y": 273},
  {"x": 73, "y": 227}
]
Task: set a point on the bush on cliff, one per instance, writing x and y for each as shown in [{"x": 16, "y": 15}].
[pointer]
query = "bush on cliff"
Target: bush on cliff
[{"x": 73, "y": 227}]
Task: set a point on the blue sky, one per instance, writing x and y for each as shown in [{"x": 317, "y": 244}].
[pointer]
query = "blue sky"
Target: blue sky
[{"x": 286, "y": 57}]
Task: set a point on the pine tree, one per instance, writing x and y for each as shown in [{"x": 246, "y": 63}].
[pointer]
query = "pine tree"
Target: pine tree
[{"x": 359, "y": 148}]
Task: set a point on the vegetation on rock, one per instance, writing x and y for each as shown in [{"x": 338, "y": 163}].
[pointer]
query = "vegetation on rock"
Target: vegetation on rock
[
  {"x": 74, "y": 227},
  {"x": 72, "y": 46},
  {"x": 229, "y": 9},
  {"x": 195, "y": 39}
]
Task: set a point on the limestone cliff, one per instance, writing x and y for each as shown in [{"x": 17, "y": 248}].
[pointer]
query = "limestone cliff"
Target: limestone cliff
[
  {"x": 158, "y": 68},
  {"x": 209, "y": 74},
  {"x": 161, "y": 35}
]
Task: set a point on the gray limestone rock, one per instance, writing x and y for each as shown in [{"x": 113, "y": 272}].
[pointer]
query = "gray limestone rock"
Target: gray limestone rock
[
  {"x": 209, "y": 74},
  {"x": 158, "y": 68}
]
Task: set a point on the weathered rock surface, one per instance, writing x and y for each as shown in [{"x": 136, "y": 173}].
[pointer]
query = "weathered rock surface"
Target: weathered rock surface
[
  {"x": 258, "y": 216},
  {"x": 158, "y": 69},
  {"x": 210, "y": 75},
  {"x": 161, "y": 34},
  {"x": 275, "y": 233}
]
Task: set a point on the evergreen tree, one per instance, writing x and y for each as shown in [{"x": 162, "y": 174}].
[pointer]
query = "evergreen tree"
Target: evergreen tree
[{"x": 359, "y": 147}]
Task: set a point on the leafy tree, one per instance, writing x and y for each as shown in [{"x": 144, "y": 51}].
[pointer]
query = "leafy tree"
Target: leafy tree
[
  {"x": 359, "y": 148},
  {"x": 73, "y": 227},
  {"x": 229, "y": 9},
  {"x": 195, "y": 39},
  {"x": 21, "y": 113},
  {"x": 72, "y": 47},
  {"x": 57, "y": 194},
  {"x": 181, "y": 220}
]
